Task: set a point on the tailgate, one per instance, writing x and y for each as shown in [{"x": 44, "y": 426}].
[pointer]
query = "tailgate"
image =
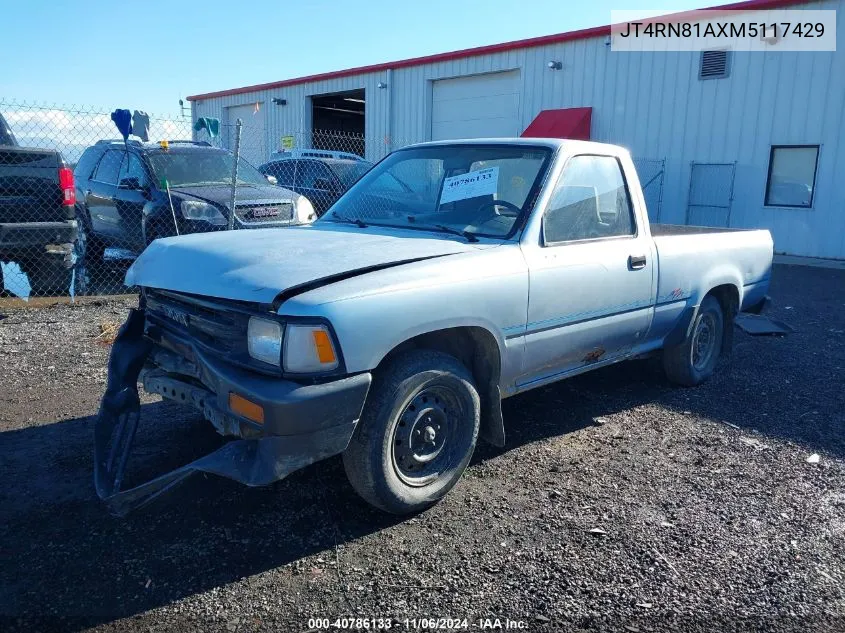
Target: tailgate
[{"x": 29, "y": 186}]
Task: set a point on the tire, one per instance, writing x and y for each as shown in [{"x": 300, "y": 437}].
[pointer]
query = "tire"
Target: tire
[
  {"x": 425, "y": 401},
  {"x": 52, "y": 278},
  {"x": 695, "y": 359},
  {"x": 84, "y": 259},
  {"x": 93, "y": 247},
  {"x": 156, "y": 228},
  {"x": 47, "y": 279}
]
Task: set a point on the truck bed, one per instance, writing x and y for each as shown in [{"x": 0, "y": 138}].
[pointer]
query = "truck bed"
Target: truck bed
[
  {"x": 29, "y": 185},
  {"x": 682, "y": 229},
  {"x": 694, "y": 259}
]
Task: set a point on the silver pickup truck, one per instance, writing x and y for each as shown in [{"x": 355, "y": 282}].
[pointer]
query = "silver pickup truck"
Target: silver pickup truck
[{"x": 452, "y": 275}]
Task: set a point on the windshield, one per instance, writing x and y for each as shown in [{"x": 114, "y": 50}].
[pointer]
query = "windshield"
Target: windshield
[
  {"x": 201, "y": 168},
  {"x": 350, "y": 172},
  {"x": 478, "y": 189}
]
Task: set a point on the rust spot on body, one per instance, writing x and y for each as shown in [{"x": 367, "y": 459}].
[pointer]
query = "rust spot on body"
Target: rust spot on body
[{"x": 594, "y": 355}]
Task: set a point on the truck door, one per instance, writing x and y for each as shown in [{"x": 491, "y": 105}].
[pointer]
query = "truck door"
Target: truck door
[
  {"x": 130, "y": 197},
  {"x": 100, "y": 193},
  {"x": 591, "y": 277}
]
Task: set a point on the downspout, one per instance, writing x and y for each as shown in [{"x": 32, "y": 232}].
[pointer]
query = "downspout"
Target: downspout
[{"x": 389, "y": 134}]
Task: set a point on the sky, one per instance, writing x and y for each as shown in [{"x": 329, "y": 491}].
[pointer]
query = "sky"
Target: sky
[{"x": 148, "y": 55}]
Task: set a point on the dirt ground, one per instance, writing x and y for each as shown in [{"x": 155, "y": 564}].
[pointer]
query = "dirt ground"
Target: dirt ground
[{"x": 619, "y": 503}]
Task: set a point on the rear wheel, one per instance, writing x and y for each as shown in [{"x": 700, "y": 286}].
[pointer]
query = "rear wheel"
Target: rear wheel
[
  {"x": 50, "y": 279},
  {"x": 694, "y": 360},
  {"x": 417, "y": 433},
  {"x": 93, "y": 247}
]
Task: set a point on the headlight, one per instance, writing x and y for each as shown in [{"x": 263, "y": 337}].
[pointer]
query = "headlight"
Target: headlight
[
  {"x": 303, "y": 210},
  {"x": 309, "y": 349},
  {"x": 264, "y": 340},
  {"x": 195, "y": 210}
]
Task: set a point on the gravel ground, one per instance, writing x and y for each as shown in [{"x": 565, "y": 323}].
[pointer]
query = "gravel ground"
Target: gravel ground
[{"x": 620, "y": 503}]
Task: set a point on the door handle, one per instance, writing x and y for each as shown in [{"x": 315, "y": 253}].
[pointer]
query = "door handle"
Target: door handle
[{"x": 636, "y": 262}]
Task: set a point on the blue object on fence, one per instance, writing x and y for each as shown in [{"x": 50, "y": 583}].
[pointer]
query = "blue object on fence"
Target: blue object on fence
[
  {"x": 209, "y": 124},
  {"x": 141, "y": 125},
  {"x": 123, "y": 120}
]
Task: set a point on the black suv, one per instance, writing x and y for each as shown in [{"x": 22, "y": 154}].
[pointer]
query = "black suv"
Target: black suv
[
  {"x": 129, "y": 194},
  {"x": 321, "y": 180}
]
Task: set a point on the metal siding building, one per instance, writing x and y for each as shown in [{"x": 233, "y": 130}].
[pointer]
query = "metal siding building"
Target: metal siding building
[{"x": 715, "y": 135}]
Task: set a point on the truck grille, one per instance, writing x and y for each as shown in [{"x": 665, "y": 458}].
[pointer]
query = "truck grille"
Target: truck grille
[
  {"x": 187, "y": 324},
  {"x": 217, "y": 327},
  {"x": 265, "y": 213}
]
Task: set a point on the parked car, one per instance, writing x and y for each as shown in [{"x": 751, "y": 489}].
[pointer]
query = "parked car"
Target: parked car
[
  {"x": 132, "y": 193},
  {"x": 321, "y": 180},
  {"x": 37, "y": 224},
  {"x": 314, "y": 153},
  {"x": 517, "y": 263}
]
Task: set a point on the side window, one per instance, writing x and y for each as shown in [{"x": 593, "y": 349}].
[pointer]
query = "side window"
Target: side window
[
  {"x": 590, "y": 201},
  {"x": 86, "y": 164},
  {"x": 283, "y": 171},
  {"x": 109, "y": 167},
  {"x": 309, "y": 172},
  {"x": 133, "y": 167}
]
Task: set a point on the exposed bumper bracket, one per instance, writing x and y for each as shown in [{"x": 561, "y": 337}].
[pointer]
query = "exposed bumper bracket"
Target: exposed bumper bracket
[{"x": 253, "y": 462}]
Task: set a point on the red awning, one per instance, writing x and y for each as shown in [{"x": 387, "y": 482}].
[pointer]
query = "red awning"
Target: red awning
[{"x": 564, "y": 123}]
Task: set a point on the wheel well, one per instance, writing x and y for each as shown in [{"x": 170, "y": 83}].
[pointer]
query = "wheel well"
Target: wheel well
[
  {"x": 728, "y": 297},
  {"x": 479, "y": 352}
]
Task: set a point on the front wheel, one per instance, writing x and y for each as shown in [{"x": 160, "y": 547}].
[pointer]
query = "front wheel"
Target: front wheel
[
  {"x": 694, "y": 360},
  {"x": 417, "y": 432}
]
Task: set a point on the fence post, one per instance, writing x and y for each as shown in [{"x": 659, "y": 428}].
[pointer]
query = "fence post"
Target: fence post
[{"x": 238, "y": 125}]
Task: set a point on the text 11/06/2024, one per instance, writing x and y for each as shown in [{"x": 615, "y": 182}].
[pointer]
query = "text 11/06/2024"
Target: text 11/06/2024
[{"x": 417, "y": 624}]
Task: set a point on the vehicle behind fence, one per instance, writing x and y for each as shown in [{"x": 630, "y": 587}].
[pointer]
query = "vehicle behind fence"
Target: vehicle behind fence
[{"x": 78, "y": 202}]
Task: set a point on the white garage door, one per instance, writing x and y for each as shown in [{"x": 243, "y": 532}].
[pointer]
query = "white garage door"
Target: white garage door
[
  {"x": 476, "y": 107},
  {"x": 253, "y": 148}
]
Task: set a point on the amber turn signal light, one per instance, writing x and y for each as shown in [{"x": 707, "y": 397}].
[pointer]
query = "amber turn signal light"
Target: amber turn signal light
[
  {"x": 323, "y": 344},
  {"x": 246, "y": 408}
]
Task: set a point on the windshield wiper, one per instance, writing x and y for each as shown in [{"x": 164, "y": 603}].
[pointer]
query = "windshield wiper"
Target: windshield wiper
[
  {"x": 468, "y": 235},
  {"x": 356, "y": 221}
]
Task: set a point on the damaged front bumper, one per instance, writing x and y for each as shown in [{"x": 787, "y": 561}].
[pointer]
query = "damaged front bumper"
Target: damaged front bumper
[{"x": 302, "y": 423}]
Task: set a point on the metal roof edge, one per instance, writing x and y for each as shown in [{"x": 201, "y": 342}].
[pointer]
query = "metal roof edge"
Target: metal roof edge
[{"x": 568, "y": 36}]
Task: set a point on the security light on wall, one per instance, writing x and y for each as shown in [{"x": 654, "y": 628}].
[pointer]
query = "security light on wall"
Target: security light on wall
[
  {"x": 280, "y": 101},
  {"x": 381, "y": 84},
  {"x": 553, "y": 65}
]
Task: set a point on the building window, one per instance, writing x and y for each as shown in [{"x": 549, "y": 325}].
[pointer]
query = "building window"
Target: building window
[
  {"x": 792, "y": 176},
  {"x": 714, "y": 65}
]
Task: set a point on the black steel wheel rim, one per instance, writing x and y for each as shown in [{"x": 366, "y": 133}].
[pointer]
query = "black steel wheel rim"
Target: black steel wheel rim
[
  {"x": 704, "y": 341},
  {"x": 426, "y": 435}
]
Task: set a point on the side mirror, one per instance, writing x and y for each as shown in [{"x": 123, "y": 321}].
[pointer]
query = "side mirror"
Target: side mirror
[
  {"x": 131, "y": 183},
  {"x": 272, "y": 179},
  {"x": 323, "y": 184}
]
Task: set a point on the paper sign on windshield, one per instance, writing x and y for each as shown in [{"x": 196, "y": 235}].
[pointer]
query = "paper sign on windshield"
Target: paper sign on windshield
[{"x": 483, "y": 182}]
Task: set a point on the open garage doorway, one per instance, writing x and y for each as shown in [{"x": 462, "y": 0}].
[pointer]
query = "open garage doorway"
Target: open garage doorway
[{"x": 337, "y": 121}]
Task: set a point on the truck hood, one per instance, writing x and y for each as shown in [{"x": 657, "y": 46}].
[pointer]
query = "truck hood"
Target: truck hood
[{"x": 259, "y": 264}]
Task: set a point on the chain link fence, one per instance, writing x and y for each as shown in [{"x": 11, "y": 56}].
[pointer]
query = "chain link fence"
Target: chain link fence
[
  {"x": 650, "y": 171},
  {"x": 78, "y": 202},
  {"x": 710, "y": 194}
]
